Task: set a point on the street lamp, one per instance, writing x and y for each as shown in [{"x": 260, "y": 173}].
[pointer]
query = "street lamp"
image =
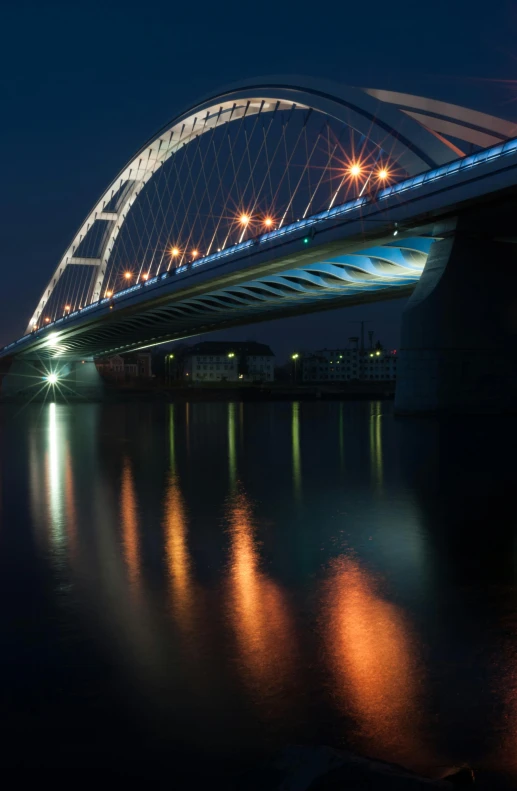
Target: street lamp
[
  {"x": 294, "y": 358},
  {"x": 168, "y": 358}
]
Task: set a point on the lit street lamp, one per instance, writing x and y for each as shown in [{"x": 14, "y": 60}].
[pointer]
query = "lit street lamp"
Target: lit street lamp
[
  {"x": 294, "y": 358},
  {"x": 168, "y": 359}
]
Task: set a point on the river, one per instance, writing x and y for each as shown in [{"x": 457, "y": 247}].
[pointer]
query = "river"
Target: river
[{"x": 191, "y": 587}]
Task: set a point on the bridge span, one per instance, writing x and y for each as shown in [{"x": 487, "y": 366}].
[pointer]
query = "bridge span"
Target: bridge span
[{"x": 371, "y": 197}]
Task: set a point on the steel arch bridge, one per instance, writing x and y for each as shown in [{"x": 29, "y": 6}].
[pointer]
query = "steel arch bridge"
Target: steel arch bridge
[{"x": 272, "y": 197}]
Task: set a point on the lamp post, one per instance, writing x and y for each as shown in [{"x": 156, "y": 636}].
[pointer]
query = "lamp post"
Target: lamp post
[
  {"x": 168, "y": 359},
  {"x": 294, "y": 358}
]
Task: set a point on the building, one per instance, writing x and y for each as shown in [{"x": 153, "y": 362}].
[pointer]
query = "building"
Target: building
[
  {"x": 352, "y": 364},
  {"x": 227, "y": 361},
  {"x": 134, "y": 365}
]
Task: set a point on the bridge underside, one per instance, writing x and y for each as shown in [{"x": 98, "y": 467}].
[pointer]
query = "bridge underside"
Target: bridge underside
[{"x": 380, "y": 272}]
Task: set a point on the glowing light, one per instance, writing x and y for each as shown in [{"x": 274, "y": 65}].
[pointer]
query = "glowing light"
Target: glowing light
[
  {"x": 109, "y": 293},
  {"x": 395, "y": 233},
  {"x": 378, "y": 354},
  {"x": 52, "y": 379},
  {"x": 382, "y": 174},
  {"x": 355, "y": 169},
  {"x": 374, "y": 660},
  {"x": 175, "y": 251},
  {"x": 294, "y": 356},
  {"x": 129, "y": 520},
  {"x": 51, "y": 339},
  {"x": 47, "y": 320},
  {"x": 241, "y": 376},
  {"x": 231, "y": 354},
  {"x": 195, "y": 253},
  {"x": 258, "y": 613},
  {"x": 268, "y": 222},
  {"x": 244, "y": 219},
  {"x": 145, "y": 276},
  {"x": 67, "y": 307},
  {"x": 127, "y": 275}
]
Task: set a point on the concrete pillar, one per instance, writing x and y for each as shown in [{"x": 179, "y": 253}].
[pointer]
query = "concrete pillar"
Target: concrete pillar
[
  {"x": 459, "y": 329},
  {"x": 27, "y": 379},
  {"x": 85, "y": 380}
]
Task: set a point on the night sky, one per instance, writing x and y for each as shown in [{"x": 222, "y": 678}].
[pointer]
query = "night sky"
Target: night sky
[{"x": 84, "y": 84}]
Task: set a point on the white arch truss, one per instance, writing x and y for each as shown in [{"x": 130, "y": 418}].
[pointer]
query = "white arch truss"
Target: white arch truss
[{"x": 416, "y": 130}]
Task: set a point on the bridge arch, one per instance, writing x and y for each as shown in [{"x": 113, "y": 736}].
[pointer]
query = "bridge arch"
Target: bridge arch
[{"x": 415, "y": 130}]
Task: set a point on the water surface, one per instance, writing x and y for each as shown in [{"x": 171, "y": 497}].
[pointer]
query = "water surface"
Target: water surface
[{"x": 204, "y": 583}]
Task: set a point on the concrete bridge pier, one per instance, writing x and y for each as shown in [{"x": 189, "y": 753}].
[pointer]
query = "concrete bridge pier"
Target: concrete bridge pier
[
  {"x": 41, "y": 379},
  {"x": 459, "y": 329}
]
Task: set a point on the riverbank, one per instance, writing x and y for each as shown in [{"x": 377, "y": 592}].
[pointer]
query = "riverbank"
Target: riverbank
[
  {"x": 271, "y": 392},
  {"x": 140, "y": 391}
]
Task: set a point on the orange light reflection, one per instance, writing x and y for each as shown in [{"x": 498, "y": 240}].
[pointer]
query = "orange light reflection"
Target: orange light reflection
[
  {"x": 178, "y": 559},
  {"x": 129, "y": 514},
  {"x": 259, "y": 615},
  {"x": 71, "y": 512},
  {"x": 374, "y": 661}
]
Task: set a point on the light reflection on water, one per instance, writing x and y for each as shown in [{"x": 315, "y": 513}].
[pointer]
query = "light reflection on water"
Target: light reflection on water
[
  {"x": 129, "y": 523},
  {"x": 244, "y": 604},
  {"x": 375, "y": 662},
  {"x": 259, "y": 613}
]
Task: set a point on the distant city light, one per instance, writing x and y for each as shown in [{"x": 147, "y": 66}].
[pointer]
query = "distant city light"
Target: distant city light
[
  {"x": 231, "y": 354},
  {"x": 378, "y": 354},
  {"x": 294, "y": 356}
]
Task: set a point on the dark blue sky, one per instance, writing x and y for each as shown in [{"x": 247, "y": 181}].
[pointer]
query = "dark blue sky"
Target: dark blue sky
[{"x": 84, "y": 84}]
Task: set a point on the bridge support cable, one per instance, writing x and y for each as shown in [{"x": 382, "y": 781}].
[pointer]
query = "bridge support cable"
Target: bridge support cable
[
  {"x": 305, "y": 170},
  {"x": 188, "y": 186},
  {"x": 198, "y": 200},
  {"x": 324, "y": 171},
  {"x": 213, "y": 197},
  {"x": 173, "y": 231}
]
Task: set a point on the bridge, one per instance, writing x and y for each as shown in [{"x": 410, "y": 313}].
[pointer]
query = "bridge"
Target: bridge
[{"x": 277, "y": 197}]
